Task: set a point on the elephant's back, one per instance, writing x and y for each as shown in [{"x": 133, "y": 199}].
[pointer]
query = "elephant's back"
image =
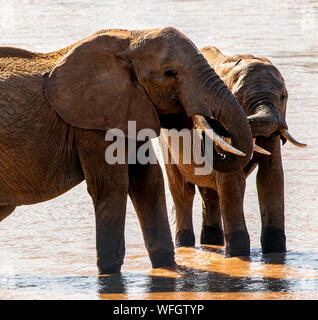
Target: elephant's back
[
  {"x": 29, "y": 62},
  {"x": 7, "y": 52},
  {"x": 22, "y": 75}
]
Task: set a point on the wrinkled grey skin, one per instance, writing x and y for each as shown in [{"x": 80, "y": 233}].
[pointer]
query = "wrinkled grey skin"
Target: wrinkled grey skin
[
  {"x": 260, "y": 88},
  {"x": 55, "y": 109}
]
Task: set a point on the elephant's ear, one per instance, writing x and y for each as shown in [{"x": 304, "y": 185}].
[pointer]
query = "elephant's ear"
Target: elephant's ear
[
  {"x": 93, "y": 87},
  {"x": 213, "y": 55}
]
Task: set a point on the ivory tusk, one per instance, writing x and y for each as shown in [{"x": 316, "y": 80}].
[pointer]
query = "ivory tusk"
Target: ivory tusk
[
  {"x": 288, "y": 136},
  {"x": 258, "y": 149},
  {"x": 203, "y": 125}
]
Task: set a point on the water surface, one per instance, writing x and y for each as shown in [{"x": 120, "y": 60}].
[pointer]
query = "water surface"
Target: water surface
[{"x": 47, "y": 251}]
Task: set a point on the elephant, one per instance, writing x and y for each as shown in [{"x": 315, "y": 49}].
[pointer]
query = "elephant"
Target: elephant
[
  {"x": 259, "y": 87},
  {"x": 56, "y": 108}
]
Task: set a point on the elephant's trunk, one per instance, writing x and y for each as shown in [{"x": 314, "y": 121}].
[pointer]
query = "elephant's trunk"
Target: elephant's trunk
[
  {"x": 267, "y": 119},
  {"x": 210, "y": 94}
]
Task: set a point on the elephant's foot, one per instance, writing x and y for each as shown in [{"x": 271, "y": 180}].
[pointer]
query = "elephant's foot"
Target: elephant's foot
[
  {"x": 237, "y": 244},
  {"x": 162, "y": 258},
  {"x": 273, "y": 240},
  {"x": 109, "y": 269},
  {"x": 185, "y": 238},
  {"x": 212, "y": 235}
]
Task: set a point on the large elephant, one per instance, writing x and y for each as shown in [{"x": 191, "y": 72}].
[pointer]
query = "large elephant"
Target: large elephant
[
  {"x": 260, "y": 88},
  {"x": 56, "y": 108}
]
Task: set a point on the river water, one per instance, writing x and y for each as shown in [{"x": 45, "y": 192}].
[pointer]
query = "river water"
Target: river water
[{"x": 47, "y": 251}]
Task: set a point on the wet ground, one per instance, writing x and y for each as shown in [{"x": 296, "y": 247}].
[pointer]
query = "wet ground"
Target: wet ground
[{"x": 47, "y": 251}]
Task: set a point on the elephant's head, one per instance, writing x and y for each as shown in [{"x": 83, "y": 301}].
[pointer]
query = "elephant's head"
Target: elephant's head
[
  {"x": 259, "y": 87},
  {"x": 156, "y": 77}
]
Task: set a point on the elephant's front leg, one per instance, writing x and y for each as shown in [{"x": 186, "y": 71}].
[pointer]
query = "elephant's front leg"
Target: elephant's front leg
[
  {"x": 110, "y": 210},
  {"x": 183, "y": 194},
  {"x": 146, "y": 190},
  {"x": 107, "y": 184},
  {"x": 212, "y": 230},
  {"x": 231, "y": 188},
  {"x": 270, "y": 187}
]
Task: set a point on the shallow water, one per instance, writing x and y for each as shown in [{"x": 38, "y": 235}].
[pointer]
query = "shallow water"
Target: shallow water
[{"x": 47, "y": 250}]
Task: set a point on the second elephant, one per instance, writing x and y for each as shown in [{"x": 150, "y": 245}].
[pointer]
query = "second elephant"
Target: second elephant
[{"x": 260, "y": 88}]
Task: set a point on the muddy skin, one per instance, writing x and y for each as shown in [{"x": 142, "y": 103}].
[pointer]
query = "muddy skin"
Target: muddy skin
[
  {"x": 212, "y": 235},
  {"x": 273, "y": 240},
  {"x": 237, "y": 244},
  {"x": 185, "y": 238}
]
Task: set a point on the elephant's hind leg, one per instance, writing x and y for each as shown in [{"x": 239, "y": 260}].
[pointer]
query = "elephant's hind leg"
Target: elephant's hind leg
[
  {"x": 5, "y": 211},
  {"x": 212, "y": 231}
]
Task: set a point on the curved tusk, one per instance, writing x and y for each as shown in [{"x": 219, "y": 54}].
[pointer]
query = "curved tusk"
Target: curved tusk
[
  {"x": 289, "y": 137},
  {"x": 258, "y": 149},
  {"x": 203, "y": 125}
]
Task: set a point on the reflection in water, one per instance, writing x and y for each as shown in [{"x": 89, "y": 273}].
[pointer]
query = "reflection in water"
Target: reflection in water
[
  {"x": 47, "y": 250},
  {"x": 237, "y": 275},
  {"x": 201, "y": 271}
]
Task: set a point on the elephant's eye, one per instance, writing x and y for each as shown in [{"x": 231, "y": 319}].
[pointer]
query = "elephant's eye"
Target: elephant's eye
[
  {"x": 283, "y": 97},
  {"x": 170, "y": 73}
]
